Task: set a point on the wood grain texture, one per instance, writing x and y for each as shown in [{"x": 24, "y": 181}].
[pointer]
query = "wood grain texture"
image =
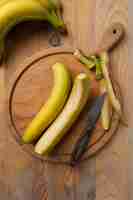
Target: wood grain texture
[
  {"x": 72, "y": 184},
  {"x": 112, "y": 163},
  {"x": 30, "y": 88},
  {"x": 130, "y": 96},
  {"x": 23, "y": 177}
]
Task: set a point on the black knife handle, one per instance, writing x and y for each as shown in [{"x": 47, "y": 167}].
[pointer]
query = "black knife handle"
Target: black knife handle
[{"x": 80, "y": 148}]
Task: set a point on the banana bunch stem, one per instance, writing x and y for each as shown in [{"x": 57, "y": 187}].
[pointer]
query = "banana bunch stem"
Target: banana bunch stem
[{"x": 54, "y": 19}]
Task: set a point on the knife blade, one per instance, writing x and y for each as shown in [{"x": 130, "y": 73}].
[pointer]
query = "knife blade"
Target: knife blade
[{"x": 92, "y": 118}]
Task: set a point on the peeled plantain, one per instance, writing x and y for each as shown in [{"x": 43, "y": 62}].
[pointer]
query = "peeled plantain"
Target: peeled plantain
[
  {"x": 76, "y": 102},
  {"x": 13, "y": 12},
  {"x": 54, "y": 105}
]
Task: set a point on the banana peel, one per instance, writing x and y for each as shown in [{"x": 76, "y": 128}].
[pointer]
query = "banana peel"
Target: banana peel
[
  {"x": 106, "y": 110},
  {"x": 54, "y": 105},
  {"x": 113, "y": 99},
  {"x": 75, "y": 104},
  {"x": 4, "y": 2},
  {"x": 88, "y": 62}
]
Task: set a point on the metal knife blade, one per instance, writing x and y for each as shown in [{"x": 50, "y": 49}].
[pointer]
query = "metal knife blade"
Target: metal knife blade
[{"x": 92, "y": 118}]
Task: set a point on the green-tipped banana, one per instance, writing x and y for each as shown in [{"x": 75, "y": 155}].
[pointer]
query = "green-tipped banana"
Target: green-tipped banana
[
  {"x": 54, "y": 105},
  {"x": 76, "y": 102},
  {"x": 13, "y": 12}
]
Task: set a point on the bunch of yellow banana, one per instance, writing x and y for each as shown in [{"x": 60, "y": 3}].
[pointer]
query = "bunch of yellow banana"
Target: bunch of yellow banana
[{"x": 13, "y": 12}]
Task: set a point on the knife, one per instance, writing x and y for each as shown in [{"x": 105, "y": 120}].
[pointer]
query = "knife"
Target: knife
[{"x": 92, "y": 118}]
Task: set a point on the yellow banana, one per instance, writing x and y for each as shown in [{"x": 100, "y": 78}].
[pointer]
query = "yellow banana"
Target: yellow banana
[
  {"x": 76, "y": 102},
  {"x": 3, "y": 2},
  {"x": 48, "y": 4},
  {"x": 55, "y": 103},
  {"x": 15, "y": 11}
]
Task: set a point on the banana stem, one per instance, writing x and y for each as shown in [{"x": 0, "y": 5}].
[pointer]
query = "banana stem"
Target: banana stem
[
  {"x": 54, "y": 4},
  {"x": 55, "y": 20},
  {"x": 99, "y": 73},
  {"x": 84, "y": 60}
]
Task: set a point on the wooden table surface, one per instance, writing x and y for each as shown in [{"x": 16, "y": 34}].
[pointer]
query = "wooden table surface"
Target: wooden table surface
[{"x": 103, "y": 177}]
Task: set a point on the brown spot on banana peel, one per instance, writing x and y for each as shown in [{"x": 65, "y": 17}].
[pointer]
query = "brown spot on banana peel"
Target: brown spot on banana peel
[
  {"x": 76, "y": 102},
  {"x": 53, "y": 106}
]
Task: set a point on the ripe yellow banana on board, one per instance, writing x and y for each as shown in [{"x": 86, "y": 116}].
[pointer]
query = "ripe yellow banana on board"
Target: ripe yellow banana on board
[
  {"x": 54, "y": 105},
  {"x": 13, "y": 12},
  {"x": 76, "y": 102}
]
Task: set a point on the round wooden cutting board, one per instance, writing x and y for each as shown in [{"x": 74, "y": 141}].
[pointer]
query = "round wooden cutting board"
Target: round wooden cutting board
[{"x": 30, "y": 89}]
